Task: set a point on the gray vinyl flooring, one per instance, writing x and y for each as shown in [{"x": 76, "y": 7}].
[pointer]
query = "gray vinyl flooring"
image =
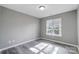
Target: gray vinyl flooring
[{"x": 41, "y": 46}]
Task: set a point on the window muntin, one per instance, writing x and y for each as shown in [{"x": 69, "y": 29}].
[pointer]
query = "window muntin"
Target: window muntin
[{"x": 53, "y": 27}]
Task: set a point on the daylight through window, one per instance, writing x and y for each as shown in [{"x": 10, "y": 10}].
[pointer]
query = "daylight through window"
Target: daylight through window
[{"x": 53, "y": 27}]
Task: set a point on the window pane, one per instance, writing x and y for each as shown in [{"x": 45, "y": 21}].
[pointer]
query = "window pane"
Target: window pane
[
  {"x": 56, "y": 32},
  {"x": 53, "y": 27},
  {"x": 49, "y": 27}
]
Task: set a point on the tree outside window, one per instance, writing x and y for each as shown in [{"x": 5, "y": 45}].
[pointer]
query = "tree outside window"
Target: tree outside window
[{"x": 53, "y": 27}]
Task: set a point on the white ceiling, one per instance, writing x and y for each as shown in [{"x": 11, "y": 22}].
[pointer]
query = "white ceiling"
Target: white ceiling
[{"x": 33, "y": 10}]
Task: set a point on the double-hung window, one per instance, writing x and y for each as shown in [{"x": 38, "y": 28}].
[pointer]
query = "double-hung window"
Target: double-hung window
[{"x": 53, "y": 27}]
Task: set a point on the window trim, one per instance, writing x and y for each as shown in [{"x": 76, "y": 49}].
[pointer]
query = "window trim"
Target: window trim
[{"x": 60, "y": 27}]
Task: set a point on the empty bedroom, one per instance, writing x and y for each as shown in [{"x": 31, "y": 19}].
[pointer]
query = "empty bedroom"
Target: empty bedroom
[{"x": 39, "y": 29}]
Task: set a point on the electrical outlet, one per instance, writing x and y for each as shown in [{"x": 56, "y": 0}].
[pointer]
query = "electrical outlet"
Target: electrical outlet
[
  {"x": 13, "y": 41},
  {"x": 10, "y": 42}
]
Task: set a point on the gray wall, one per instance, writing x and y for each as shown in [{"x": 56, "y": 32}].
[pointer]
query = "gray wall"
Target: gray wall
[
  {"x": 69, "y": 27},
  {"x": 78, "y": 25},
  {"x": 16, "y": 27}
]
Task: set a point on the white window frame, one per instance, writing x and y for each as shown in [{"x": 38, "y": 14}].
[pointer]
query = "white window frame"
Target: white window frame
[{"x": 54, "y": 21}]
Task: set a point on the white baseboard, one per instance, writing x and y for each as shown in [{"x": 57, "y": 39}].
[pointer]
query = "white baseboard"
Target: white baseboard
[
  {"x": 78, "y": 48},
  {"x": 62, "y": 42},
  {"x": 17, "y": 44}
]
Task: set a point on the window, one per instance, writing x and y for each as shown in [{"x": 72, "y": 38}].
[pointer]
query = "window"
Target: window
[{"x": 53, "y": 27}]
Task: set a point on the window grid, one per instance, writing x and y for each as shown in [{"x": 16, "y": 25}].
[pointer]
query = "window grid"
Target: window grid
[{"x": 53, "y": 27}]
